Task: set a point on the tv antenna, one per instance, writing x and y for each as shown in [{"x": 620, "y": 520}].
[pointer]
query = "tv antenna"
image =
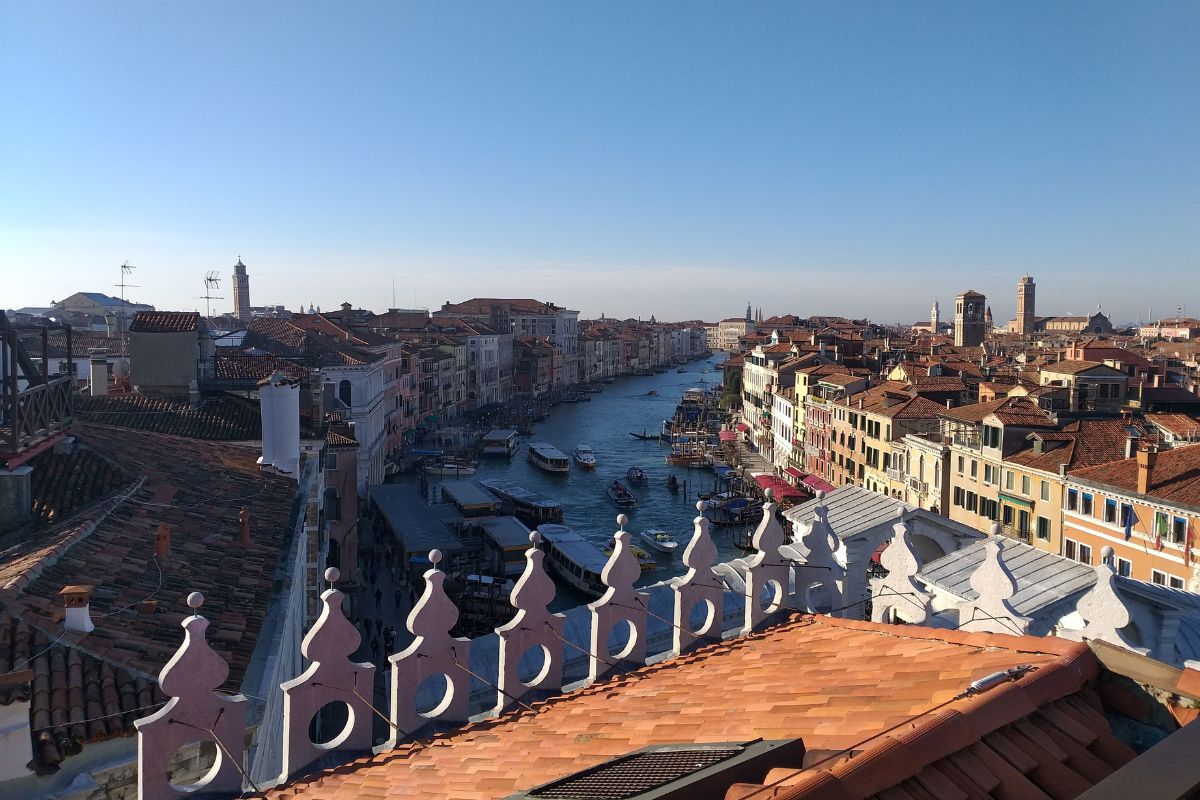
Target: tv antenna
[
  {"x": 212, "y": 282},
  {"x": 126, "y": 273}
]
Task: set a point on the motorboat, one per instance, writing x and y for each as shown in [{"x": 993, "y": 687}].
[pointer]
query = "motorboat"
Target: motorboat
[
  {"x": 659, "y": 540},
  {"x": 621, "y": 496},
  {"x": 645, "y": 560},
  {"x": 585, "y": 456},
  {"x": 672, "y": 483},
  {"x": 499, "y": 443},
  {"x": 652, "y": 393},
  {"x": 548, "y": 457},
  {"x": 635, "y": 475}
]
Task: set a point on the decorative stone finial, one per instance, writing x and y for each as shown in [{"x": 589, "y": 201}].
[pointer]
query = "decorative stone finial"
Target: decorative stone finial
[
  {"x": 992, "y": 611},
  {"x": 535, "y": 538},
  {"x": 532, "y": 625},
  {"x": 769, "y": 494},
  {"x": 766, "y": 570},
  {"x": 995, "y": 529},
  {"x": 332, "y": 576},
  {"x": 1106, "y": 554},
  {"x": 899, "y": 596},
  {"x": 620, "y": 603},
  {"x": 194, "y": 601},
  {"x": 900, "y": 510},
  {"x": 820, "y": 494},
  {"x": 622, "y": 521},
  {"x": 698, "y": 586},
  {"x": 700, "y": 506},
  {"x": 435, "y": 557}
]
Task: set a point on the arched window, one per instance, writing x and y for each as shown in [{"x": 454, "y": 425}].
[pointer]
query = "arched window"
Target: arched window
[
  {"x": 334, "y": 559},
  {"x": 333, "y": 505},
  {"x": 344, "y": 392}
]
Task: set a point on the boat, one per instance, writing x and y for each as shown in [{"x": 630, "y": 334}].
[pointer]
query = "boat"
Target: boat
[
  {"x": 672, "y": 483},
  {"x": 621, "y": 496},
  {"x": 645, "y": 437},
  {"x": 573, "y": 559},
  {"x": 681, "y": 370},
  {"x": 659, "y": 540},
  {"x": 645, "y": 560},
  {"x": 635, "y": 475},
  {"x": 499, "y": 443},
  {"x": 585, "y": 456},
  {"x": 652, "y": 393},
  {"x": 530, "y": 507},
  {"x": 548, "y": 457},
  {"x": 738, "y": 511},
  {"x": 450, "y": 466}
]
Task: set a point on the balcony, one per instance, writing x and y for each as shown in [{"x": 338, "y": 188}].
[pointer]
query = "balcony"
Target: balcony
[
  {"x": 34, "y": 414},
  {"x": 917, "y": 485},
  {"x": 1012, "y": 532},
  {"x": 895, "y": 474}
]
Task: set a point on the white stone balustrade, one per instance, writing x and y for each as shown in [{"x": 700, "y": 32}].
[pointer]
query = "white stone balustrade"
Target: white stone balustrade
[
  {"x": 331, "y": 678},
  {"x": 814, "y": 561},
  {"x": 195, "y": 712},
  {"x": 1103, "y": 609},
  {"x": 992, "y": 611},
  {"x": 433, "y": 652},
  {"x": 767, "y": 571},
  {"x": 533, "y": 627},
  {"x": 699, "y": 586},
  {"x": 620, "y": 606},
  {"x": 900, "y": 597}
]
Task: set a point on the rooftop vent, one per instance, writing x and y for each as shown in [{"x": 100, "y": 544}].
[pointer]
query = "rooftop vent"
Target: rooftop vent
[{"x": 673, "y": 772}]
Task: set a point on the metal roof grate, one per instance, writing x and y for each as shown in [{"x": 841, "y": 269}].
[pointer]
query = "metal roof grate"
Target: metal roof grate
[{"x": 631, "y": 775}]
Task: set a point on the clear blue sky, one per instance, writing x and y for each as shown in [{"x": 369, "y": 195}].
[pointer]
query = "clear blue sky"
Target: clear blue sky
[{"x": 635, "y": 158}]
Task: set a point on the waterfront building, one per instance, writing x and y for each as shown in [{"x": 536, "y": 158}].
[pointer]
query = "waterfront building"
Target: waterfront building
[
  {"x": 1146, "y": 507},
  {"x": 525, "y": 318}
]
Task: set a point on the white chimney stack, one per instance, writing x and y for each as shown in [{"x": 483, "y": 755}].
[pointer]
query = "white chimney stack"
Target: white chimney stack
[
  {"x": 76, "y": 600},
  {"x": 98, "y": 372},
  {"x": 279, "y": 401}
]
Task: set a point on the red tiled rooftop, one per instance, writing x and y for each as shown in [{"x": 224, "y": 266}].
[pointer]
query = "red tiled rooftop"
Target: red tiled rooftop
[
  {"x": 218, "y": 418},
  {"x": 831, "y": 682},
  {"x": 1176, "y": 475}
]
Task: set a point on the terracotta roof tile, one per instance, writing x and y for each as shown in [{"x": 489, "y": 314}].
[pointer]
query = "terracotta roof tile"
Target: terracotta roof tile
[
  {"x": 165, "y": 322},
  {"x": 831, "y": 682},
  {"x": 1176, "y": 475},
  {"x": 218, "y": 418}
]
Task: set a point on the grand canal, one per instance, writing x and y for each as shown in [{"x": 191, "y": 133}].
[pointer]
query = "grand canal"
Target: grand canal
[{"x": 604, "y": 422}]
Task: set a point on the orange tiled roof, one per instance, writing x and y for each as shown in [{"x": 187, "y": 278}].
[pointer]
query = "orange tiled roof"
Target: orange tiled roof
[
  {"x": 1176, "y": 475},
  {"x": 831, "y": 682},
  {"x": 217, "y": 418}
]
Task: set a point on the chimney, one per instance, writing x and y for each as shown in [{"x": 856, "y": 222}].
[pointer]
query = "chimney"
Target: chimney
[
  {"x": 1146, "y": 458},
  {"x": 279, "y": 403},
  {"x": 162, "y": 543},
  {"x": 1131, "y": 442},
  {"x": 98, "y": 372},
  {"x": 244, "y": 527},
  {"x": 75, "y": 600}
]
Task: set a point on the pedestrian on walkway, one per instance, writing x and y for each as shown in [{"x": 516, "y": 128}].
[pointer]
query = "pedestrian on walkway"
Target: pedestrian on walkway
[
  {"x": 397, "y": 597},
  {"x": 378, "y": 596}
]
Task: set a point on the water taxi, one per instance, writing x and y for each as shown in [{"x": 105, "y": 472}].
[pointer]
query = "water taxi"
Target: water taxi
[
  {"x": 573, "y": 559},
  {"x": 548, "y": 457},
  {"x": 530, "y": 507},
  {"x": 645, "y": 560},
  {"x": 585, "y": 456},
  {"x": 499, "y": 443},
  {"x": 621, "y": 496},
  {"x": 659, "y": 540}
]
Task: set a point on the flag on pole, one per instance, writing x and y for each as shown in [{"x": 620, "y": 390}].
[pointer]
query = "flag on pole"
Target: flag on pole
[{"x": 1131, "y": 519}]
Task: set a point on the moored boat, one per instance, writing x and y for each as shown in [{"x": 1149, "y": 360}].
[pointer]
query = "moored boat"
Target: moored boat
[
  {"x": 585, "y": 456},
  {"x": 659, "y": 540},
  {"x": 645, "y": 437},
  {"x": 621, "y": 496},
  {"x": 530, "y": 507},
  {"x": 548, "y": 457},
  {"x": 573, "y": 559},
  {"x": 499, "y": 443},
  {"x": 635, "y": 475},
  {"x": 645, "y": 560}
]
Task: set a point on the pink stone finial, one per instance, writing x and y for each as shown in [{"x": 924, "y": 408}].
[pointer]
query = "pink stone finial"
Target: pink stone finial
[
  {"x": 332, "y": 575},
  {"x": 194, "y": 601},
  {"x": 700, "y": 506},
  {"x": 535, "y": 538},
  {"x": 769, "y": 494},
  {"x": 435, "y": 557},
  {"x": 622, "y": 520},
  {"x": 820, "y": 495},
  {"x": 995, "y": 529},
  {"x": 900, "y": 509}
]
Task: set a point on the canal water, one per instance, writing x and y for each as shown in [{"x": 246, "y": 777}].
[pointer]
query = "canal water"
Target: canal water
[{"x": 605, "y": 422}]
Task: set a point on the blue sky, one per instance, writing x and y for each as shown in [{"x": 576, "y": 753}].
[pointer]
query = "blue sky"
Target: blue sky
[{"x": 638, "y": 158}]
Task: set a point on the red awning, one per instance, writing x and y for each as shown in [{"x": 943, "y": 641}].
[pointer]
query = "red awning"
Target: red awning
[
  {"x": 728, "y": 436},
  {"x": 780, "y": 488},
  {"x": 818, "y": 484},
  {"x": 795, "y": 473},
  {"x": 743, "y": 427},
  {"x": 878, "y": 554}
]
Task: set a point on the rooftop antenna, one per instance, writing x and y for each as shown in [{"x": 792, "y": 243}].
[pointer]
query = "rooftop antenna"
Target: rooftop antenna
[
  {"x": 126, "y": 272},
  {"x": 212, "y": 282}
]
